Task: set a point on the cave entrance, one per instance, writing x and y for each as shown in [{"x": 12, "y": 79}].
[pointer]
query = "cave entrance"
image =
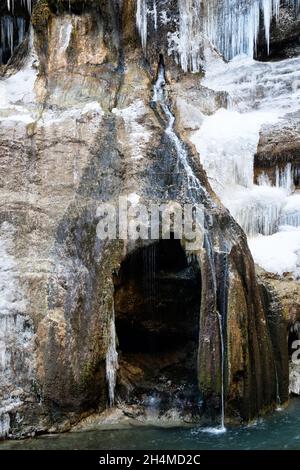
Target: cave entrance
[{"x": 157, "y": 308}]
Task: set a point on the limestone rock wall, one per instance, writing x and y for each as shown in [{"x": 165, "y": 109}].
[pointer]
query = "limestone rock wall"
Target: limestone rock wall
[{"x": 81, "y": 130}]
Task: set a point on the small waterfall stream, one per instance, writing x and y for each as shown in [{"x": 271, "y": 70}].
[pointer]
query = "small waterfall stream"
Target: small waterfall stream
[
  {"x": 160, "y": 97},
  {"x": 194, "y": 190},
  {"x": 220, "y": 320},
  {"x": 278, "y": 399}
]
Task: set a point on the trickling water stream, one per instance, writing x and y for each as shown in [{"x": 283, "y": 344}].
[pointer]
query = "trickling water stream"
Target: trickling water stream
[{"x": 232, "y": 26}]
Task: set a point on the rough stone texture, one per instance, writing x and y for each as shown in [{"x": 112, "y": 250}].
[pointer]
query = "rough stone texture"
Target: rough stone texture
[
  {"x": 288, "y": 292},
  {"x": 284, "y": 307},
  {"x": 87, "y": 134}
]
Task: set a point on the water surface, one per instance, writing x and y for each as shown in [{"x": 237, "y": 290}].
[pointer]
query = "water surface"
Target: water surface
[{"x": 281, "y": 430}]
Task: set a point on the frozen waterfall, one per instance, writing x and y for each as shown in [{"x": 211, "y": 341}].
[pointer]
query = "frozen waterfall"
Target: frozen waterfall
[
  {"x": 269, "y": 211},
  {"x": 26, "y": 3}
]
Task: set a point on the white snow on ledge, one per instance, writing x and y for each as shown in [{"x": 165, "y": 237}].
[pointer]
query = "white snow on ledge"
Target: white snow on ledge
[
  {"x": 91, "y": 109},
  {"x": 17, "y": 94},
  {"x": 278, "y": 253}
]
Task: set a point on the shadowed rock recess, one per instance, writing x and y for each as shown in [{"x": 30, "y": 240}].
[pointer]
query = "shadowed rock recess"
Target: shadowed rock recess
[{"x": 79, "y": 127}]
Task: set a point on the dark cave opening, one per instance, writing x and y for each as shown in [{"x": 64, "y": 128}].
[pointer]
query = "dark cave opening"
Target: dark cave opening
[{"x": 157, "y": 308}]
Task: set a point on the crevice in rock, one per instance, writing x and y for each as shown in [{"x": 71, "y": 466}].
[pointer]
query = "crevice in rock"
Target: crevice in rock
[{"x": 157, "y": 308}]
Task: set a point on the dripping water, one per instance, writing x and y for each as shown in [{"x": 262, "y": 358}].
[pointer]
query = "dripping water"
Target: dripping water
[
  {"x": 142, "y": 21},
  {"x": 149, "y": 277},
  {"x": 278, "y": 399},
  {"x": 232, "y": 26},
  {"x": 25, "y": 3}
]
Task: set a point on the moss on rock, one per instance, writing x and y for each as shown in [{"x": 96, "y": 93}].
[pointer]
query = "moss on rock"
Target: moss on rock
[{"x": 41, "y": 15}]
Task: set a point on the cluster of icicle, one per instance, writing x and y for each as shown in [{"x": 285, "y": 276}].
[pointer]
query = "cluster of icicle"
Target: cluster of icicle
[
  {"x": 25, "y": 3},
  {"x": 12, "y": 33},
  {"x": 232, "y": 26}
]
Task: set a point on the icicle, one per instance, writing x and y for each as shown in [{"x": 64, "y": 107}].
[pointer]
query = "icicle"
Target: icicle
[
  {"x": 185, "y": 44},
  {"x": 142, "y": 21},
  {"x": 112, "y": 362},
  {"x": 258, "y": 210},
  {"x": 285, "y": 179},
  {"x": 4, "y": 425},
  {"x": 291, "y": 212},
  {"x": 222, "y": 373}
]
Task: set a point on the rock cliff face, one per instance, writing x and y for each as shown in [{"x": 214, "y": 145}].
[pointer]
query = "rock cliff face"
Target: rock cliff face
[{"x": 78, "y": 128}]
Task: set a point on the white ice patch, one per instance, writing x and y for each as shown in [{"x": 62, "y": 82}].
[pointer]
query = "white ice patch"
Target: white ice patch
[
  {"x": 112, "y": 364},
  {"x": 142, "y": 21},
  {"x": 233, "y": 26},
  {"x": 227, "y": 142},
  {"x": 278, "y": 253},
  {"x": 190, "y": 116},
  {"x": 134, "y": 199},
  {"x": 26, "y": 3},
  {"x": 266, "y": 86},
  {"x": 57, "y": 116},
  {"x": 65, "y": 32},
  {"x": 16, "y": 333},
  {"x": 136, "y": 134},
  {"x": 257, "y": 210}
]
